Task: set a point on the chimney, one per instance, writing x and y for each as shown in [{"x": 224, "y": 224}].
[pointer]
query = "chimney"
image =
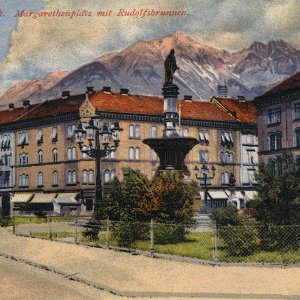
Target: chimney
[
  {"x": 187, "y": 98},
  {"x": 11, "y": 106},
  {"x": 106, "y": 89},
  {"x": 124, "y": 91},
  {"x": 26, "y": 103},
  {"x": 65, "y": 94},
  {"x": 222, "y": 91},
  {"x": 90, "y": 90}
]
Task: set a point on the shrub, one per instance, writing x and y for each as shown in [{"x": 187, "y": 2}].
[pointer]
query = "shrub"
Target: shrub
[
  {"x": 168, "y": 233},
  {"x": 5, "y": 221},
  {"x": 240, "y": 240},
  {"x": 227, "y": 216},
  {"x": 124, "y": 230}
]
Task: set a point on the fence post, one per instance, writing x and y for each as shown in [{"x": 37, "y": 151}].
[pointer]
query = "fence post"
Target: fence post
[
  {"x": 214, "y": 244},
  {"x": 30, "y": 225},
  {"x": 50, "y": 229},
  {"x": 14, "y": 225},
  {"x": 107, "y": 233},
  {"x": 151, "y": 237},
  {"x": 76, "y": 240}
]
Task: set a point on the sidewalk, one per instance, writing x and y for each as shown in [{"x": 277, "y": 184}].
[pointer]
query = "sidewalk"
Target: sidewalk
[{"x": 138, "y": 276}]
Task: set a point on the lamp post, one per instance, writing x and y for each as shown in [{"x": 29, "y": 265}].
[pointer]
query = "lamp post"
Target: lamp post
[
  {"x": 101, "y": 142},
  {"x": 205, "y": 176}
]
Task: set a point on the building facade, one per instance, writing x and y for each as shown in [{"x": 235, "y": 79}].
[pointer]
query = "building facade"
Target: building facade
[
  {"x": 52, "y": 174},
  {"x": 279, "y": 120}
]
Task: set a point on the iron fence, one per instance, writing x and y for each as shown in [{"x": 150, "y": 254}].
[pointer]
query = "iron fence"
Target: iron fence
[{"x": 230, "y": 244}]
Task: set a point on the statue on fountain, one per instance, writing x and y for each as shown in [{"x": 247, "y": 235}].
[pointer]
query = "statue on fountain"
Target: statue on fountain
[{"x": 170, "y": 67}]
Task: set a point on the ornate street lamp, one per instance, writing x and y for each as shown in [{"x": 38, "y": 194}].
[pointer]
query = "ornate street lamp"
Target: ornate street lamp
[
  {"x": 101, "y": 142},
  {"x": 204, "y": 175}
]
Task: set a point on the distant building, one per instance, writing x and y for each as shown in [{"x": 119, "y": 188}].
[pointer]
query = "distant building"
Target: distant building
[{"x": 279, "y": 120}]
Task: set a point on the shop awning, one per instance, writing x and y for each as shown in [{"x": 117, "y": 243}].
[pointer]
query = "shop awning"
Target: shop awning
[
  {"x": 66, "y": 198},
  {"x": 239, "y": 195},
  {"x": 251, "y": 194},
  {"x": 43, "y": 198},
  {"x": 22, "y": 197},
  {"x": 216, "y": 195}
]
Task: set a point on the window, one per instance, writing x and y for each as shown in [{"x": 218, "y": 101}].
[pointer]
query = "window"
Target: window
[
  {"x": 275, "y": 165},
  {"x": 23, "y": 159},
  {"x": 153, "y": 155},
  {"x": 54, "y": 155},
  {"x": 274, "y": 115},
  {"x": 225, "y": 178},
  {"x": 23, "y": 180},
  {"x": 22, "y": 138},
  {"x": 70, "y": 131},
  {"x": 71, "y": 177},
  {"x": 109, "y": 175},
  {"x": 275, "y": 141},
  {"x": 40, "y": 179},
  {"x": 153, "y": 132},
  {"x": 40, "y": 156},
  {"x": 226, "y": 138},
  {"x": 297, "y": 111},
  {"x": 71, "y": 153},
  {"x": 250, "y": 174},
  {"x": 203, "y": 156},
  {"x": 250, "y": 157},
  {"x": 54, "y": 178},
  {"x": 137, "y": 153},
  {"x": 39, "y": 136},
  {"x": 226, "y": 157},
  {"x": 134, "y": 131},
  {"x": 203, "y": 136},
  {"x": 297, "y": 137},
  {"x": 131, "y": 153},
  {"x": 88, "y": 176},
  {"x": 54, "y": 134}
]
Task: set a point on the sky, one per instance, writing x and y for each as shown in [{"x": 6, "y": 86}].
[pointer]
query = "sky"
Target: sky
[{"x": 30, "y": 47}]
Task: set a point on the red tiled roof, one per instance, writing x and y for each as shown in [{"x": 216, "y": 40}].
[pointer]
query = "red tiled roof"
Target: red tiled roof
[
  {"x": 203, "y": 110},
  {"x": 291, "y": 83},
  {"x": 242, "y": 110},
  {"x": 52, "y": 108},
  {"x": 9, "y": 116},
  {"x": 151, "y": 105},
  {"x": 134, "y": 104}
]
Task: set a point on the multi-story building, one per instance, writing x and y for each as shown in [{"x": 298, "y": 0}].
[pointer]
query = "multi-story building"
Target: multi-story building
[
  {"x": 50, "y": 171},
  {"x": 7, "y": 152},
  {"x": 245, "y": 112},
  {"x": 279, "y": 120}
]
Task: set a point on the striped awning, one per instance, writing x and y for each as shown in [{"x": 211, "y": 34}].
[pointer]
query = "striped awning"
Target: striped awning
[
  {"x": 66, "y": 198},
  {"x": 43, "y": 198},
  {"x": 22, "y": 197}
]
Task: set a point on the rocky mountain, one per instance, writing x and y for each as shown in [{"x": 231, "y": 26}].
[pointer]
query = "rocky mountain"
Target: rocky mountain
[
  {"x": 32, "y": 89},
  {"x": 248, "y": 72}
]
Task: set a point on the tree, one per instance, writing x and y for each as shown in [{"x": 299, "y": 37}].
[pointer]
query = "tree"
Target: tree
[
  {"x": 170, "y": 200},
  {"x": 278, "y": 186}
]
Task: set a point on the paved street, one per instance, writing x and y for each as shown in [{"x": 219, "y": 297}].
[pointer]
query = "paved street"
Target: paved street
[
  {"x": 132, "y": 276},
  {"x": 21, "y": 281}
]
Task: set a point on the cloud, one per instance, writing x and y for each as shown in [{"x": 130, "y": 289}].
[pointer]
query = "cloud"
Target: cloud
[{"x": 38, "y": 46}]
